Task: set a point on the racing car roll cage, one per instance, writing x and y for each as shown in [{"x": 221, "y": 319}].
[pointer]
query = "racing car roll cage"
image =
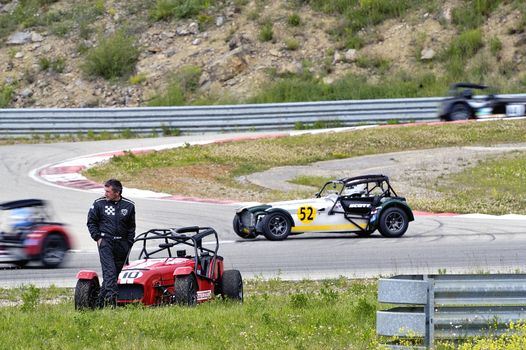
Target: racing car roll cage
[
  {"x": 173, "y": 237},
  {"x": 377, "y": 179}
]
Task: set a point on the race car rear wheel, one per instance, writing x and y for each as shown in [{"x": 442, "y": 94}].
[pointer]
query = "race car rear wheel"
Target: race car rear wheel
[
  {"x": 238, "y": 228},
  {"x": 459, "y": 111},
  {"x": 393, "y": 222},
  {"x": 53, "y": 250},
  {"x": 276, "y": 226},
  {"x": 185, "y": 290},
  {"x": 86, "y": 294},
  {"x": 232, "y": 285}
]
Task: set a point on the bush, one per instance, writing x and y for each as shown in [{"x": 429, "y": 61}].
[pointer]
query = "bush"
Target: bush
[
  {"x": 473, "y": 14},
  {"x": 6, "y": 95},
  {"x": 56, "y": 65},
  {"x": 165, "y": 9},
  {"x": 266, "y": 32},
  {"x": 466, "y": 45},
  {"x": 183, "y": 84},
  {"x": 114, "y": 57},
  {"x": 294, "y": 20}
]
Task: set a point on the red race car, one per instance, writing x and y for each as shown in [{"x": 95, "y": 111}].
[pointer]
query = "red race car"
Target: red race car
[
  {"x": 161, "y": 271},
  {"x": 28, "y": 233}
]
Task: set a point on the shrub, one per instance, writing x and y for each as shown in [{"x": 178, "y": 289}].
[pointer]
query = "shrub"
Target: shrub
[
  {"x": 495, "y": 45},
  {"x": 56, "y": 65},
  {"x": 6, "y": 95},
  {"x": 165, "y": 9},
  {"x": 266, "y": 32},
  {"x": 473, "y": 14},
  {"x": 137, "y": 78},
  {"x": 114, "y": 57},
  {"x": 466, "y": 45},
  {"x": 294, "y": 20},
  {"x": 292, "y": 44},
  {"x": 183, "y": 84}
]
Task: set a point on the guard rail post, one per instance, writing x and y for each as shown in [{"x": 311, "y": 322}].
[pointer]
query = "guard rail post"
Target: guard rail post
[{"x": 450, "y": 306}]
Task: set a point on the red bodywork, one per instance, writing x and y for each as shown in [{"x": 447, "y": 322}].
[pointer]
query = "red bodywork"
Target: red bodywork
[
  {"x": 33, "y": 242},
  {"x": 151, "y": 279}
]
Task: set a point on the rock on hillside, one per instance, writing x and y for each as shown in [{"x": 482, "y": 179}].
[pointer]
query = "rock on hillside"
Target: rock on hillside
[{"x": 234, "y": 61}]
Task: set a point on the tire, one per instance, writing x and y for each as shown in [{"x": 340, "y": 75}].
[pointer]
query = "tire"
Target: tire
[
  {"x": 54, "y": 250},
  {"x": 21, "y": 263},
  {"x": 232, "y": 285},
  {"x": 460, "y": 111},
  {"x": 276, "y": 226},
  {"x": 86, "y": 294},
  {"x": 393, "y": 222},
  {"x": 238, "y": 229},
  {"x": 185, "y": 290}
]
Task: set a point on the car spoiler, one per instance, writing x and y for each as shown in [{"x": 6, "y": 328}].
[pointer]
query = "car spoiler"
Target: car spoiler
[{"x": 468, "y": 86}]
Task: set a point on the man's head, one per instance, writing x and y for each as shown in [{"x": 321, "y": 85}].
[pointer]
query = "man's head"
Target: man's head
[{"x": 112, "y": 189}]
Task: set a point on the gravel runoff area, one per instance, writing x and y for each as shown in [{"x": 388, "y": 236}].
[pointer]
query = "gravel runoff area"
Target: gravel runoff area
[{"x": 411, "y": 172}]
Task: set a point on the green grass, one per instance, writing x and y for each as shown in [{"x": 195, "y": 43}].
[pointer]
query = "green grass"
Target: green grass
[
  {"x": 241, "y": 158},
  {"x": 167, "y": 9},
  {"x": 276, "y": 314},
  {"x": 494, "y": 186},
  {"x": 6, "y": 94},
  {"x": 473, "y": 13},
  {"x": 328, "y": 314},
  {"x": 183, "y": 84}
]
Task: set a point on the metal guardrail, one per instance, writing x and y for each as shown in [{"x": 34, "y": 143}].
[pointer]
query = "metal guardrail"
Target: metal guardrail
[
  {"x": 450, "y": 306},
  {"x": 201, "y": 119}
]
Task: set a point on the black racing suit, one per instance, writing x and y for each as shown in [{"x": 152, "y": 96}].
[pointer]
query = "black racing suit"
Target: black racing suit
[{"x": 114, "y": 222}]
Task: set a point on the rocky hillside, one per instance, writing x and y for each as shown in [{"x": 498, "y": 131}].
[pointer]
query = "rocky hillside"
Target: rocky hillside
[{"x": 237, "y": 48}]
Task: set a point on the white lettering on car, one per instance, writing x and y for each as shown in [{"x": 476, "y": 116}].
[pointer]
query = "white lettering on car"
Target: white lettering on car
[{"x": 127, "y": 277}]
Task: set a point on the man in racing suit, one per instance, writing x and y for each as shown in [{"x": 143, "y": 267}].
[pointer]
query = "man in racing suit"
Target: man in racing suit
[{"x": 111, "y": 223}]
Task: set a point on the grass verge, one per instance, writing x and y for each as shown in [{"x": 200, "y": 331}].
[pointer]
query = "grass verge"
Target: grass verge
[
  {"x": 211, "y": 170},
  {"x": 335, "y": 314},
  {"x": 276, "y": 314}
]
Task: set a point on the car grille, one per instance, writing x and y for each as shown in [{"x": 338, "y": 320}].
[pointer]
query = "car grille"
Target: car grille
[
  {"x": 247, "y": 219},
  {"x": 131, "y": 291}
]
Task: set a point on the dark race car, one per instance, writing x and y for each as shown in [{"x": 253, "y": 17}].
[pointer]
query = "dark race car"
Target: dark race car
[
  {"x": 358, "y": 204},
  {"x": 463, "y": 104},
  {"x": 28, "y": 233},
  {"x": 160, "y": 270}
]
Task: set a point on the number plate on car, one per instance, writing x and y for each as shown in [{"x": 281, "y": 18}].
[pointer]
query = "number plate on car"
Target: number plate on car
[{"x": 514, "y": 110}]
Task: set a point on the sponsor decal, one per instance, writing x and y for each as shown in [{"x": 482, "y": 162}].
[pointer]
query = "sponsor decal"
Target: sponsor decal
[
  {"x": 204, "y": 295},
  {"x": 306, "y": 214},
  {"x": 124, "y": 212},
  {"x": 359, "y": 205}
]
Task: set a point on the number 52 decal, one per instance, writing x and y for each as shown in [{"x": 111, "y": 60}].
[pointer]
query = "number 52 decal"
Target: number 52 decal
[{"x": 306, "y": 214}]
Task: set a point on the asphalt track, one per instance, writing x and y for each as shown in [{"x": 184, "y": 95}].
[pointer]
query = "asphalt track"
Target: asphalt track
[{"x": 432, "y": 244}]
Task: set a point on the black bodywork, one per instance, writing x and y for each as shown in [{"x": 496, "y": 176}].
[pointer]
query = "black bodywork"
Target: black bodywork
[{"x": 463, "y": 103}]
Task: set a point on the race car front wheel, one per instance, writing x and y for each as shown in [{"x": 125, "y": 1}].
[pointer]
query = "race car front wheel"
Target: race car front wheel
[
  {"x": 232, "y": 285},
  {"x": 185, "y": 290},
  {"x": 239, "y": 230},
  {"x": 86, "y": 294},
  {"x": 393, "y": 222},
  {"x": 276, "y": 226}
]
